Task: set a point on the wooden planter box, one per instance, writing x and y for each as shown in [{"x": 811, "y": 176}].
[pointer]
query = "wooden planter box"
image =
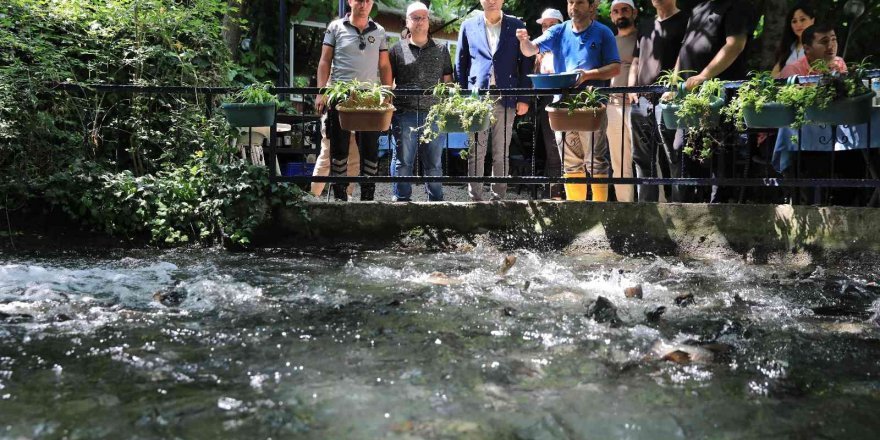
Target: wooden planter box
[
  {"x": 578, "y": 120},
  {"x": 365, "y": 120},
  {"x": 847, "y": 111}
]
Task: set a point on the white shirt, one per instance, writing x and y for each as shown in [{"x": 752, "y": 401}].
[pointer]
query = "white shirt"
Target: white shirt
[{"x": 493, "y": 34}]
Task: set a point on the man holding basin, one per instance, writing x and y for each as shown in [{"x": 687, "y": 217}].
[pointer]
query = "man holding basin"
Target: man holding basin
[{"x": 589, "y": 48}]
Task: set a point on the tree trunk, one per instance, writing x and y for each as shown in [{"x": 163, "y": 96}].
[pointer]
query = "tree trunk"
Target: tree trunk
[
  {"x": 232, "y": 27},
  {"x": 774, "y": 25}
]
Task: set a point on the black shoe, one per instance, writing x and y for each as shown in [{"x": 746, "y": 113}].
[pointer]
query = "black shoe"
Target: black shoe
[
  {"x": 339, "y": 191},
  {"x": 368, "y": 190}
]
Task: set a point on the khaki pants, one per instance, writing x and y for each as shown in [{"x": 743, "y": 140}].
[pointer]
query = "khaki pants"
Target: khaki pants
[
  {"x": 620, "y": 148},
  {"x": 501, "y": 132},
  {"x": 322, "y": 164},
  {"x": 585, "y": 151}
]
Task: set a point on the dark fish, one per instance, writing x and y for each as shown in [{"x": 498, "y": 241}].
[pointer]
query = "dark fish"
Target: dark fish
[
  {"x": 603, "y": 310},
  {"x": 170, "y": 297},
  {"x": 685, "y": 299},
  {"x": 508, "y": 262},
  {"x": 653, "y": 315}
]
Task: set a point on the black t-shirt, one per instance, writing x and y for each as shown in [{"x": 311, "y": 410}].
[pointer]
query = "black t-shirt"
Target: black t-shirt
[
  {"x": 710, "y": 24},
  {"x": 658, "y": 46}
]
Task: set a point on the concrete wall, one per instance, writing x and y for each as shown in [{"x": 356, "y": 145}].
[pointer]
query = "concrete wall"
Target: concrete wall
[{"x": 682, "y": 229}]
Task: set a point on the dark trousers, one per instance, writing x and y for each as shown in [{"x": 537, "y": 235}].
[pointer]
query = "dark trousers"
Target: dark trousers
[
  {"x": 552, "y": 161},
  {"x": 649, "y": 139},
  {"x": 818, "y": 165},
  {"x": 368, "y": 145}
]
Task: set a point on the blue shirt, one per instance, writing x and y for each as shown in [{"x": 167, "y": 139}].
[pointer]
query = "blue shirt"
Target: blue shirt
[{"x": 591, "y": 48}]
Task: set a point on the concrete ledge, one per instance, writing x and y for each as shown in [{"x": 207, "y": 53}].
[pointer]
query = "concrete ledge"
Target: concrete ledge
[{"x": 620, "y": 227}]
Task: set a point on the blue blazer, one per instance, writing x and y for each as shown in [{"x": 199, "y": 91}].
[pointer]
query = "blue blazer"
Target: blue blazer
[{"x": 474, "y": 59}]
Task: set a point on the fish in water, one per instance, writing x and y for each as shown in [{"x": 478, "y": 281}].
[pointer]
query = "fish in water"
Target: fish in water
[
  {"x": 170, "y": 297},
  {"x": 603, "y": 310},
  {"x": 684, "y": 354},
  {"x": 685, "y": 299},
  {"x": 508, "y": 262},
  {"x": 441, "y": 279},
  {"x": 633, "y": 292}
]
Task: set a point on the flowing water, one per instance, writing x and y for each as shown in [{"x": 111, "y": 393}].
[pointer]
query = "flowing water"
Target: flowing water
[{"x": 359, "y": 344}]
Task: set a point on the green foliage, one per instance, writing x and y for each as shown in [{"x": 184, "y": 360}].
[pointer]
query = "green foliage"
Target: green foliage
[
  {"x": 452, "y": 103},
  {"x": 588, "y": 99},
  {"x": 700, "y": 109},
  {"x": 760, "y": 89},
  {"x": 835, "y": 85},
  {"x": 257, "y": 93},
  {"x": 211, "y": 196},
  {"x": 358, "y": 95},
  {"x": 671, "y": 79}
]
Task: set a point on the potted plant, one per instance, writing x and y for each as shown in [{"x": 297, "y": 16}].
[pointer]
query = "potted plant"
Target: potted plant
[
  {"x": 252, "y": 106},
  {"x": 362, "y": 106},
  {"x": 758, "y": 105},
  {"x": 673, "y": 81},
  {"x": 456, "y": 113},
  {"x": 582, "y": 112},
  {"x": 839, "y": 98},
  {"x": 698, "y": 112}
]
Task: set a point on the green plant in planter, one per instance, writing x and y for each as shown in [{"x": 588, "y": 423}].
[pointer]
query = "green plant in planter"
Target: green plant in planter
[
  {"x": 358, "y": 95},
  {"x": 587, "y": 100},
  {"x": 701, "y": 111},
  {"x": 452, "y": 104},
  {"x": 252, "y": 106},
  {"x": 763, "y": 95},
  {"x": 671, "y": 79},
  {"x": 834, "y": 86}
]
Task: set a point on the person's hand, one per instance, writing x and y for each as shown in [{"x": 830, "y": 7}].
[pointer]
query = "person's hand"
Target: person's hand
[
  {"x": 694, "y": 82},
  {"x": 319, "y": 104},
  {"x": 633, "y": 98},
  {"x": 522, "y": 35},
  {"x": 668, "y": 96},
  {"x": 522, "y": 108},
  {"x": 582, "y": 76}
]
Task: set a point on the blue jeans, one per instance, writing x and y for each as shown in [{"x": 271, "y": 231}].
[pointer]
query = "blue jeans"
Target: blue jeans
[{"x": 405, "y": 129}]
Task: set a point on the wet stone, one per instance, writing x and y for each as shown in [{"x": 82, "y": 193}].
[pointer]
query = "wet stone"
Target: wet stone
[
  {"x": 170, "y": 297},
  {"x": 654, "y": 314},
  {"x": 603, "y": 310}
]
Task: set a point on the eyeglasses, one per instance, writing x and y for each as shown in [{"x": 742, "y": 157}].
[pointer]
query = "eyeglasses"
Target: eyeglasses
[
  {"x": 418, "y": 19},
  {"x": 363, "y": 44}
]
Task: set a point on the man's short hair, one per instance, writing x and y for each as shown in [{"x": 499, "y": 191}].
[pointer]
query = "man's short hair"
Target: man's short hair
[{"x": 809, "y": 33}]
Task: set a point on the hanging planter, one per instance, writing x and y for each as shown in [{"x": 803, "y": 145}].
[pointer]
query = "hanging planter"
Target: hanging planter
[
  {"x": 709, "y": 117},
  {"x": 771, "y": 115},
  {"x": 252, "y": 106},
  {"x": 248, "y": 115},
  {"x": 364, "y": 119},
  {"x": 843, "y": 111},
  {"x": 582, "y": 112},
  {"x": 584, "y": 119},
  {"x": 454, "y": 124},
  {"x": 361, "y": 106}
]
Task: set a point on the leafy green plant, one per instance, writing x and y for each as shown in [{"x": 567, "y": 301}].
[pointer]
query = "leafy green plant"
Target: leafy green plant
[
  {"x": 256, "y": 93},
  {"x": 834, "y": 85},
  {"x": 671, "y": 79},
  {"x": 451, "y": 103},
  {"x": 762, "y": 89},
  {"x": 700, "y": 109},
  {"x": 358, "y": 95},
  {"x": 588, "y": 100}
]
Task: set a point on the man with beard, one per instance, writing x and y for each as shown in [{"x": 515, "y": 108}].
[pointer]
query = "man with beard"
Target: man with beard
[
  {"x": 623, "y": 14},
  {"x": 656, "y": 51},
  {"x": 587, "y": 47}
]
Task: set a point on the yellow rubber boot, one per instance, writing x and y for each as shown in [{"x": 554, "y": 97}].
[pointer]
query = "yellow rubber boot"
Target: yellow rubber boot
[
  {"x": 600, "y": 190},
  {"x": 576, "y": 191}
]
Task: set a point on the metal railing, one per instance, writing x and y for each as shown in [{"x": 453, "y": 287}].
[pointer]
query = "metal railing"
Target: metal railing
[{"x": 739, "y": 166}]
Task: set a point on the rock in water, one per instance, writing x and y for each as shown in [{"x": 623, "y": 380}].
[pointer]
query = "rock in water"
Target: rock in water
[
  {"x": 633, "y": 292},
  {"x": 685, "y": 299},
  {"x": 682, "y": 354},
  {"x": 603, "y": 310},
  {"x": 508, "y": 262},
  {"x": 170, "y": 297}
]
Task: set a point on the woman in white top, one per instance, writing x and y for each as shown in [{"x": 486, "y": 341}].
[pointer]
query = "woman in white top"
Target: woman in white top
[{"x": 790, "y": 49}]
